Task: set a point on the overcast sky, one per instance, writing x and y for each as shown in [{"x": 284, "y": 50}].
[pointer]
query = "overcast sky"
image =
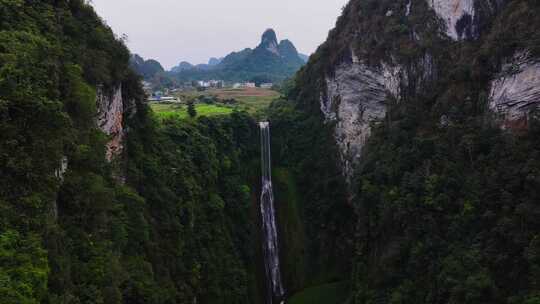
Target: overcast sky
[{"x": 195, "y": 30}]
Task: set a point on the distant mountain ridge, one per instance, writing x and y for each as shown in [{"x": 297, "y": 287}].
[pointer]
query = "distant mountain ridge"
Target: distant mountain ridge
[
  {"x": 146, "y": 68},
  {"x": 182, "y": 66},
  {"x": 215, "y": 61},
  {"x": 269, "y": 61}
]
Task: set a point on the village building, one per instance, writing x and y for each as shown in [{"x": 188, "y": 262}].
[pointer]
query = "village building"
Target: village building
[{"x": 240, "y": 85}]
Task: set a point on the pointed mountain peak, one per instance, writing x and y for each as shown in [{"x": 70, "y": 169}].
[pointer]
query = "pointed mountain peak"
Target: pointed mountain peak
[
  {"x": 287, "y": 49},
  {"x": 269, "y": 36},
  {"x": 287, "y": 45},
  {"x": 269, "y": 41}
]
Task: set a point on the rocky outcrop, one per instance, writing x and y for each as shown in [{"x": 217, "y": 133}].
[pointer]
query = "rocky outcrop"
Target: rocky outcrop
[
  {"x": 110, "y": 118},
  {"x": 355, "y": 99},
  {"x": 62, "y": 168},
  {"x": 516, "y": 90},
  {"x": 458, "y": 16},
  {"x": 269, "y": 42}
]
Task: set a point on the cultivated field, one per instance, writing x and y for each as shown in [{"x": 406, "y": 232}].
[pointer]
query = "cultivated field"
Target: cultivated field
[
  {"x": 250, "y": 100},
  {"x": 180, "y": 110}
]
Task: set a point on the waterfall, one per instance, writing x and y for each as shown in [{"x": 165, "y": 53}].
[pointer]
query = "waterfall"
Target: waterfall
[{"x": 270, "y": 242}]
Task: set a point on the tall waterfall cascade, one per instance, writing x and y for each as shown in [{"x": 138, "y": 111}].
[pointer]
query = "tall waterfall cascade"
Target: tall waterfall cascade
[{"x": 270, "y": 241}]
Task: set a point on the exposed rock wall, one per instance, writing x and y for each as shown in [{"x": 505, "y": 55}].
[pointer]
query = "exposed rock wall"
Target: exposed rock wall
[
  {"x": 356, "y": 97},
  {"x": 354, "y": 100},
  {"x": 458, "y": 16},
  {"x": 110, "y": 118},
  {"x": 516, "y": 90},
  {"x": 269, "y": 41},
  {"x": 62, "y": 168},
  {"x": 355, "y": 94}
]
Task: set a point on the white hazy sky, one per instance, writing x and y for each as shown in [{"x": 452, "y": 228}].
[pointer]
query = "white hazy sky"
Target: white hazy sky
[{"x": 195, "y": 30}]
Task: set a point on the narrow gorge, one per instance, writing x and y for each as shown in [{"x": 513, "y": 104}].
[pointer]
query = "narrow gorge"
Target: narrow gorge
[{"x": 399, "y": 165}]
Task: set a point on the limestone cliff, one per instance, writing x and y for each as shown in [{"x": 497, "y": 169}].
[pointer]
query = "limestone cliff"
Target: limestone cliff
[
  {"x": 110, "y": 119},
  {"x": 357, "y": 97},
  {"x": 515, "y": 91},
  {"x": 400, "y": 51},
  {"x": 405, "y": 94},
  {"x": 269, "y": 42},
  {"x": 457, "y": 15},
  {"x": 354, "y": 100}
]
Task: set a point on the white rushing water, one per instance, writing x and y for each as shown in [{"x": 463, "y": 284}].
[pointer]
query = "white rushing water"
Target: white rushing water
[{"x": 270, "y": 242}]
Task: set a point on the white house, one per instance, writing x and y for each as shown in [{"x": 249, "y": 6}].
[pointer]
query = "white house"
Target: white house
[
  {"x": 203, "y": 84},
  {"x": 244, "y": 85}
]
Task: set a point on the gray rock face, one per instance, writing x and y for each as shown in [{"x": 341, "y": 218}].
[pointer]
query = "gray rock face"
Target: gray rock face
[
  {"x": 516, "y": 90},
  {"x": 458, "y": 16},
  {"x": 269, "y": 41},
  {"x": 355, "y": 99},
  {"x": 62, "y": 168},
  {"x": 110, "y": 119}
]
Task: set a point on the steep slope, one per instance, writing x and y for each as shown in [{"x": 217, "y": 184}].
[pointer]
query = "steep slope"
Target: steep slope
[
  {"x": 432, "y": 107},
  {"x": 100, "y": 202},
  {"x": 393, "y": 60}
]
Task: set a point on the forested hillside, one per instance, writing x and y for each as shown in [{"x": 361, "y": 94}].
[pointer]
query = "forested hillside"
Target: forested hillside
[
  {"x": 167, "y": 220},
  {"x": 406, "y": 165},
  {"x": 435, "y": 122}
]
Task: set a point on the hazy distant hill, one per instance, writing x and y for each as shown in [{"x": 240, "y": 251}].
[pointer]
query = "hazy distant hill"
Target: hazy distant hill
[
  {"x": 270, "y": 61},
  {"x": 146, "y": 68},
  {"x": 184, "y": 65},
  {"x": 215, "y": 61}
]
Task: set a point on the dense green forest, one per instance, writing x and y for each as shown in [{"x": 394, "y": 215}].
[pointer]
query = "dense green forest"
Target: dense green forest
[
  {"x": 446, "y": 210},
  {"x": 437, "y": 211},
  {"x": 167, "y": 222}
]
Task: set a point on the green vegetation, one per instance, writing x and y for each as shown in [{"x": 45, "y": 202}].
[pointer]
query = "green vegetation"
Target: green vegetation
[
  {"x": 182, "y": 111},
  {"x": 189, "y": 174},
  {"x": 251, "y": 100},
  {"x": 318, "y": 217},
  {"x": 443, "y": 213},
  {"x": 291, "y": 228},
  {"x": 191, "y": 109},
  {"x": 168, "y": 221},
  {"x": 436, "y": 213},
  {"x": 258, "y": 65},
  {"x": 148, "y": 69},
  {"x": 333, "y": 293},
  {"x": 254, "y": 104}
]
